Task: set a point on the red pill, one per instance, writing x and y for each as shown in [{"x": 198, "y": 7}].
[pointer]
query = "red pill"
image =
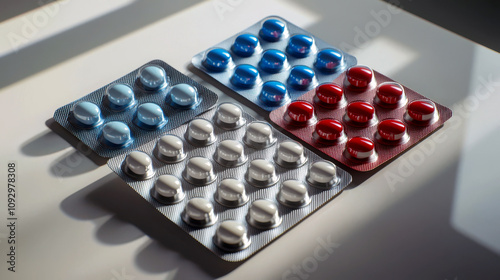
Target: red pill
[
  {"x": 392, "y": 130},
  {"x": 360, "y": 111},
  {"x": 329, "y": 93},
  {"x": 359, "y": 76},
  {"x": 360, "y": 147},
  {"x": 329, "y": 129},
  {"x": 421, "y": 110},
  {"x": 390, "y": 93},
  {"x": 300, "y": 111}
]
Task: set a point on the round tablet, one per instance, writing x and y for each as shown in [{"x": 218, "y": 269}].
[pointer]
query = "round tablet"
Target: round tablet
[
  {"x": 231, "y": 236},
  {"x": 217, "y": 60},
  {"x": 245, "y": 76},
  {"x": 168, "y": 188},
  {"x": 360, "y": 113},
  {"x": 329, "y": 130},
  {"x": 322, "y": 174},
  {"x": 116, "y": 133},
  {"x": 273, "y": 61},
  {"x": 230, "y": 153},
  {"x": 245, "y": 45},
  {"x": 120, "y": 96},
  {"x": 272, "y": 30},
  {"x": 359, "y": 76},
  {"x": 301, "y": 77},
  {"x": 231, "y": 193},
  {"x": 294, "y": 194},
  {"x": 170, "y": 148},
  {"x": 199, "y": 212},
  {"x": 329, "y": 60},
  {"x": 330, "y": 95},
  {"x": 273, "y": 93},
  {"x": 199, "y": 171},
  {"x": 391, "y": 130},
  {"x": 200, "y": 132},
  {"x": 87, "y": 113},
  {"x": 300, "y": 45},
  {"x": 150, "y": 115},
  {"x": 139, "y": 165},
  {"x": 390, "y": 93},
  {"x": 300, "y": 113},
  {"x": 263, "y": 214},
  {"x": 259, "y": 135},
  {"x": 229, "y": 116},
  {"x": 183, "y": 95},
  {"x": 360, "y": 148},
  {"x": 421, "y": 110},
  {"x": 290, "y": 154},
  {"x": 153, "y": 77},
  {"x": 261, "y": 173}
]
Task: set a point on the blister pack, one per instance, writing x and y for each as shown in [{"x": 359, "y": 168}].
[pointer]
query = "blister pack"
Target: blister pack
[
  {"x": 272, "y": 62},
  {"x": 361, "y": 119},
  {"x": 135, "y": 109},
  {"x": 232, "y": 182}
]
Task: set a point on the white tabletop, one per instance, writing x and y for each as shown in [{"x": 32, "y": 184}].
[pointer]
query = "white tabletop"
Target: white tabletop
[{"x": 430, "y": 214}]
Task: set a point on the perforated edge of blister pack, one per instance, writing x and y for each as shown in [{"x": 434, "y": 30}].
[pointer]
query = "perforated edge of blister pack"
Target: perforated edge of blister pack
[
  {"x": 258, "y": 238},
  {"x": 252, "y": 94},
  {"x": 175, "y": 116}
]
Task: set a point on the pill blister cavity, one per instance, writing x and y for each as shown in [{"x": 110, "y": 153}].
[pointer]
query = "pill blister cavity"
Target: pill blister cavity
[
  {"x": 183, "y": 96},
  {"x": 330, "y": 96},
  {"x": 290, "y": 154},
  {"x": 229, "y": 116},
  {"x": 273, "y": 30},
  {"x": 119, "y": 97},
  {"x": 293, "y": 194},
  {"x": 199, "y": 212},
  {"x": 359, "y": 78},
  {"x": 200, "y": 132},
  {"x": 360, "y": 149},
  {"x": 301, "y": 77},
  {"x": 231, "y": 193},
  {"x": 116, "y": 134},
  {"x": 263, "y": 214},
  {"x": 168, "y": 189},
  {"x": 360, "y": 114},
  {"x": 390, "y": 95},
  {"x": 245, "y": 45},
  {"x": 259, "y": 135},
  {"x": 330, "y": 132},
  {"x": 329, "y": 61},
  {"x": 300, "y": 46},
  {"x": 245, "y": 76},
  {"x": 392, "y": 132},
  {"x": 230, "y": 153},
  {"x": 170, "y": 149},
  {"x": 199, "y": 171},
  {"x": 421, "y": 112},
  {"x": 86, "y": 115},
  {"x": 150, "y": 116},
  {"x": 274, "y": 93},
  {"x": 231, "y": 236},
  {"x": 153, "y": 78},
  {"x": 138, "y": 165},
  {"x": 261, "y": 173},
  {"x": 273, "y": 61},
  {"x": 300, "y": 113},
  {"x": 217, "y": 60},
  {"x": 322, "y": 174}
]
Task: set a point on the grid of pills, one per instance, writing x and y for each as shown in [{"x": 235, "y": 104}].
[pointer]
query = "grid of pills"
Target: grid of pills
[
  {"x": 361, "y": 119},
  {"x": 135, "y": 109},
  {"x": 230, "y": 181},
  {"x": 272, "y": 62}
]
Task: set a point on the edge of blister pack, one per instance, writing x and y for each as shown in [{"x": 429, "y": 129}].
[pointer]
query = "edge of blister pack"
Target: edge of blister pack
[
  {"x": 174, "y": 116},
  {"x": 290, "y": 216},
  {"x": 416, "y": 131},
  {"x": 252, "y": 94}
]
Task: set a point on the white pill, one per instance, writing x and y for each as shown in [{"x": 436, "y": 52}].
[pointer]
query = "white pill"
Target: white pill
[
  {"x": 139, "y": 163},
  {"x": 199, "y": 170},
  {"x": 322, "y": 174},
  {"x": 231, "y": 192},
  {"x": 171, "y": 148},
  {"x": 230, "y": 153},
  {"x": 293, "y": 193},
  {"x": 290, "y": 154},
  {"x": 259, "y": 135},
  {"x": 229, "y": 114},
  {"x": 263, "y": 214},
  {"x": 199, "y": 212},
  {"x": 232, "y": 233},
  {"x": 200, "y": 131},
  {"x": 261, "y": 173},
  {"x": 169, "y": 186}
]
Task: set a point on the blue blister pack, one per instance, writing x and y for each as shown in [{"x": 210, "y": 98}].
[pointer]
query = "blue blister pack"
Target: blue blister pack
[
  {"x": 273, "y": 62},
  {"x": 135, "y": 109}
]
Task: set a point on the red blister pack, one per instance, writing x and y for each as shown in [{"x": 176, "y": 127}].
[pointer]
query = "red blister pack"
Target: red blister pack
[{"x": 362, "y": 119}]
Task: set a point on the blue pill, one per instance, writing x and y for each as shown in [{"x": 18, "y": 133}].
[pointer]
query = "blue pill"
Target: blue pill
[
  {"x": 329, "y": 60},
  {"x": 116, "y": 133},
  {"x": 301, "y": 77},
  {"x": 153, "y": 77},
  {"x": 120, "y": 96},
  {"x": 150, "y": 114},
  {"x": 273, "y": 93},
  {"x": 245, "y": 76},
  {"x": 245, "y": 45},
  {"x": 87, "y": 113},
  {"x": 272, "y": 30},
  {"x": 273, "y": 61},
  {"x": 300, "y": 45},
  {"x": 217, "y": 60},
  {"x": 183, "y": 95}
]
